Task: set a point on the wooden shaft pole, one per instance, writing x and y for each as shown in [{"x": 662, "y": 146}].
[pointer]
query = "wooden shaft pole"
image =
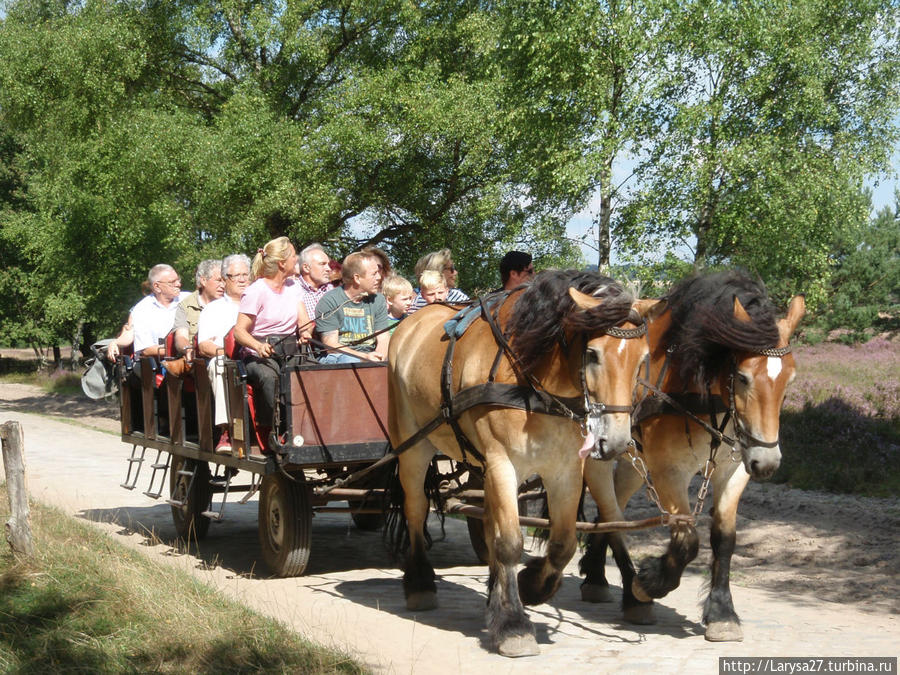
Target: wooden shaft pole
[{"x": 18, "y": 527}]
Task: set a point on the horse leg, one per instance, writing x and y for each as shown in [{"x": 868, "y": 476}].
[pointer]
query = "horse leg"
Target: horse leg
[
  {"x": 600, "y": 479},
  {"x": 418, "y": 575},
  {"x": 660, "y": 575},
  {"x": 510, "y": 630},
  {"x": 722, "y": 622},
  {"x": 541, "y": 577}
]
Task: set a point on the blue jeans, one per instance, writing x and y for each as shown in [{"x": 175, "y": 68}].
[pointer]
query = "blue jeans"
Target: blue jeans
[{"x": 338, "y": 357}]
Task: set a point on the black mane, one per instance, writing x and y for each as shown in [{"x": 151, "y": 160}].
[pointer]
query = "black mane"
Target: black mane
[
  {"x": 545, "y": 311},
  {"x": 704, "y": 330}
]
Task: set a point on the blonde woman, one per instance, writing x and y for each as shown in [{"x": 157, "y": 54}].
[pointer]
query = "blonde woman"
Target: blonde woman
[{"x": 270, "y": 312}]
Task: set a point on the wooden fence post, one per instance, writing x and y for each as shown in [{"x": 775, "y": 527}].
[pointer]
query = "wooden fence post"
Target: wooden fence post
[{"x": 18, "y": 527}]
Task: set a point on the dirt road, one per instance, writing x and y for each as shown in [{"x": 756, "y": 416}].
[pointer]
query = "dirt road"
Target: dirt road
[{"x": 814, "y": 575}]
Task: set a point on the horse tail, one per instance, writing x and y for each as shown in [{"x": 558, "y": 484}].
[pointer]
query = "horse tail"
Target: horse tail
[{"x": 396, "y": 532}]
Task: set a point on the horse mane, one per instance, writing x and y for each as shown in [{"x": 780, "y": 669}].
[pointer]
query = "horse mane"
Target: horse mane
[
  {"x": 704, "y": 331},
  {"x": 545, "y": 311}
]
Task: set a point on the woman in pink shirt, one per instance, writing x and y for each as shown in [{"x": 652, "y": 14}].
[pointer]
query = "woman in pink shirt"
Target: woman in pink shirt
[{"x": 269, "y": 315}]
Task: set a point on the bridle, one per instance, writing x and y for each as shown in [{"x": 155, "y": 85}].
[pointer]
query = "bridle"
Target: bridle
[
  {"x": 713, "y": 427},
  {"x": 597, "y": 408},
  {"x": 745, "y": 438},
  {"x": 557, "y": 404}
]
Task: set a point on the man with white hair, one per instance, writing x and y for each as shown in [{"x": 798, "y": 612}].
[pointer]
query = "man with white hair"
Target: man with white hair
[
  {"x": 315, "y": 276},
  {"x": 154, "y": 316},
  {"x": 209, "y": 286},
  {"x": 216, "y": 319}
]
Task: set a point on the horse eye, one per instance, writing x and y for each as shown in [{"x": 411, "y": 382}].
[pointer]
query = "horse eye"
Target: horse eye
[
  {"x": 743, "y": 379},
  {"x": 593, "y": 357}
]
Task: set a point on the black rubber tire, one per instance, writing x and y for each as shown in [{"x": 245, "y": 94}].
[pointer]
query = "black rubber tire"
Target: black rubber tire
[
  {"x": 367, "y": 522},
  {"x": 190, "y": 525},
  {"x": 476, "y": 537},
  {"x": 285, "y": 524}
]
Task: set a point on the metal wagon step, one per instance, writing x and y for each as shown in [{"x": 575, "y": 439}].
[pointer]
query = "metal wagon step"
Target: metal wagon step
[{"x": 221, "y": 482}]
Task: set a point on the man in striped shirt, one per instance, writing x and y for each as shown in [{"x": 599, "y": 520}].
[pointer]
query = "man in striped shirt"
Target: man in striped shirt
[{"x": 315, "y": 276}]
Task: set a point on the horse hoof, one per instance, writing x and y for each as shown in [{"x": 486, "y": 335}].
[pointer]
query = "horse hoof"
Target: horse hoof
[
  {"x": 596, "y": 593},
  {"x": 640, "y": 615},
  {"x": 518, "y": 645},
  {"x": 638, "y": 591},
  {"x": 724, "y": 631},
  {"x": 421, "y": 601}
]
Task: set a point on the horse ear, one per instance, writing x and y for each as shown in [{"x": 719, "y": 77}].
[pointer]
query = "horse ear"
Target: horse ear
[
  {"x": 650, "y": 308},
  {"x": 788, "y": 324},
  {"x": 740, "y": 313},
  {"x": 583, "y": 301}
]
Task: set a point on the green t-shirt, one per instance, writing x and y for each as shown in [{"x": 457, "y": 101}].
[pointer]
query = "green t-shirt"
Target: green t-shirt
[{"x": 352, "y": 320}]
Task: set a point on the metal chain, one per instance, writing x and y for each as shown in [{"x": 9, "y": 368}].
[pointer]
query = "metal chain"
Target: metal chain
[
  {"x": 704, "y": 487},
  {"x": 639, "y": 466}
]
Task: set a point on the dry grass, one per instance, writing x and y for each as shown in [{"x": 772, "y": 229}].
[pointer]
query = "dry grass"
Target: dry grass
[{"x": 86, "y": 604}]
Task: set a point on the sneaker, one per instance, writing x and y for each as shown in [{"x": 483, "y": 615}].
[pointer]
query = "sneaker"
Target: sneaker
[{"x": 223, "y": 447}]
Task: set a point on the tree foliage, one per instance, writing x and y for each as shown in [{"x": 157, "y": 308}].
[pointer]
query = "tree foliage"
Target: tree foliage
[
  {"x": 774, "y": 113},
  {"x": 135, "y": 132},
  {"x": 179, "y": 130},
  {"x": 864, "y": 290}
]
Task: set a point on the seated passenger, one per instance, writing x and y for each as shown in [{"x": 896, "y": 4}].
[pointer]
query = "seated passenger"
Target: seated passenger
[
  {"x": 440, "y": 261},
  {"x": 353, "y": 312},
  {"x": 154, "y": 316},
  {"x": 315, "y": 276},
  {"x": 384, "y": 263},
  {"x": 432, "y": 287},
  {"x": 516, "y": 269},
  {"x": 209, "y": 287},
  {"x": 270, "y": 312},
  {"x": 398, "y": 293},
  {"x": 216, "y": 319}
]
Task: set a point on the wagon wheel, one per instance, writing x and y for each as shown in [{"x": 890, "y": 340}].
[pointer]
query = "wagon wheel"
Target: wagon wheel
[
  {"x": 367, "y": 522},
  {"x": 285, "y": 524},
  {"x": 476, "y": 537},
  {"x": 189, "y": 523},
  {"x": 371, "y": 522}
]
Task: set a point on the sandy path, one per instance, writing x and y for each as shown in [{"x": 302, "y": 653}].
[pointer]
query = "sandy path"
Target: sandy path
[{"x": 814, "y": 575}]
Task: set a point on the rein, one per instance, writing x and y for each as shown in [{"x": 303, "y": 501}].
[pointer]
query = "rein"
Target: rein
[{"x": 531, "y": 398}]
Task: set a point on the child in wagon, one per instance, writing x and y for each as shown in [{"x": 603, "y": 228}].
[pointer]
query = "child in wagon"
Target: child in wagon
[
  {"x": 432, "y": 289},
  {"x": 399, "y": 295}
]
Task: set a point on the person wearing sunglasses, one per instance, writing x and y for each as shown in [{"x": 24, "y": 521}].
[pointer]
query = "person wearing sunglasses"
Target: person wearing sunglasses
[
  {"x": 439, "y": 261},
  {"x": 216, "y": 319}
]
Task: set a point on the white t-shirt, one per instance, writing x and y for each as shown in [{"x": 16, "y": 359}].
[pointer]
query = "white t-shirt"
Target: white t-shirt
[
  {"x": 216, "y": 319},
  {"x": 152, "y": 321}
]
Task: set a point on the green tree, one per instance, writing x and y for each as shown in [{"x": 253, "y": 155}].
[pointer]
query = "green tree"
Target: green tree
[
  {"x": 174, "y": 131},
  {"x": 774, "y": 114},
  {"x": 581, "y": 79},
  {"x": 865, "y": 285}
]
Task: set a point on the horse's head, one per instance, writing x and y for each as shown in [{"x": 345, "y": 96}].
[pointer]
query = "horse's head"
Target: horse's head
[
  {"x": 758, "y": 382},
  {"x": 581, "y": 334},
  {"x": 610, "y": 361}
]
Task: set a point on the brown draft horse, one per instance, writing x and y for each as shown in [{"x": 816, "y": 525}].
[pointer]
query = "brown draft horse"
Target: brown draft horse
[
  {"x": 714, "y": 340},
  {"x": 563, "y": 336}
]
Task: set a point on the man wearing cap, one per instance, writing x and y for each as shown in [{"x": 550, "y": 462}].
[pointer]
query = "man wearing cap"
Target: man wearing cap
[{"x": 516, "y": 269}]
